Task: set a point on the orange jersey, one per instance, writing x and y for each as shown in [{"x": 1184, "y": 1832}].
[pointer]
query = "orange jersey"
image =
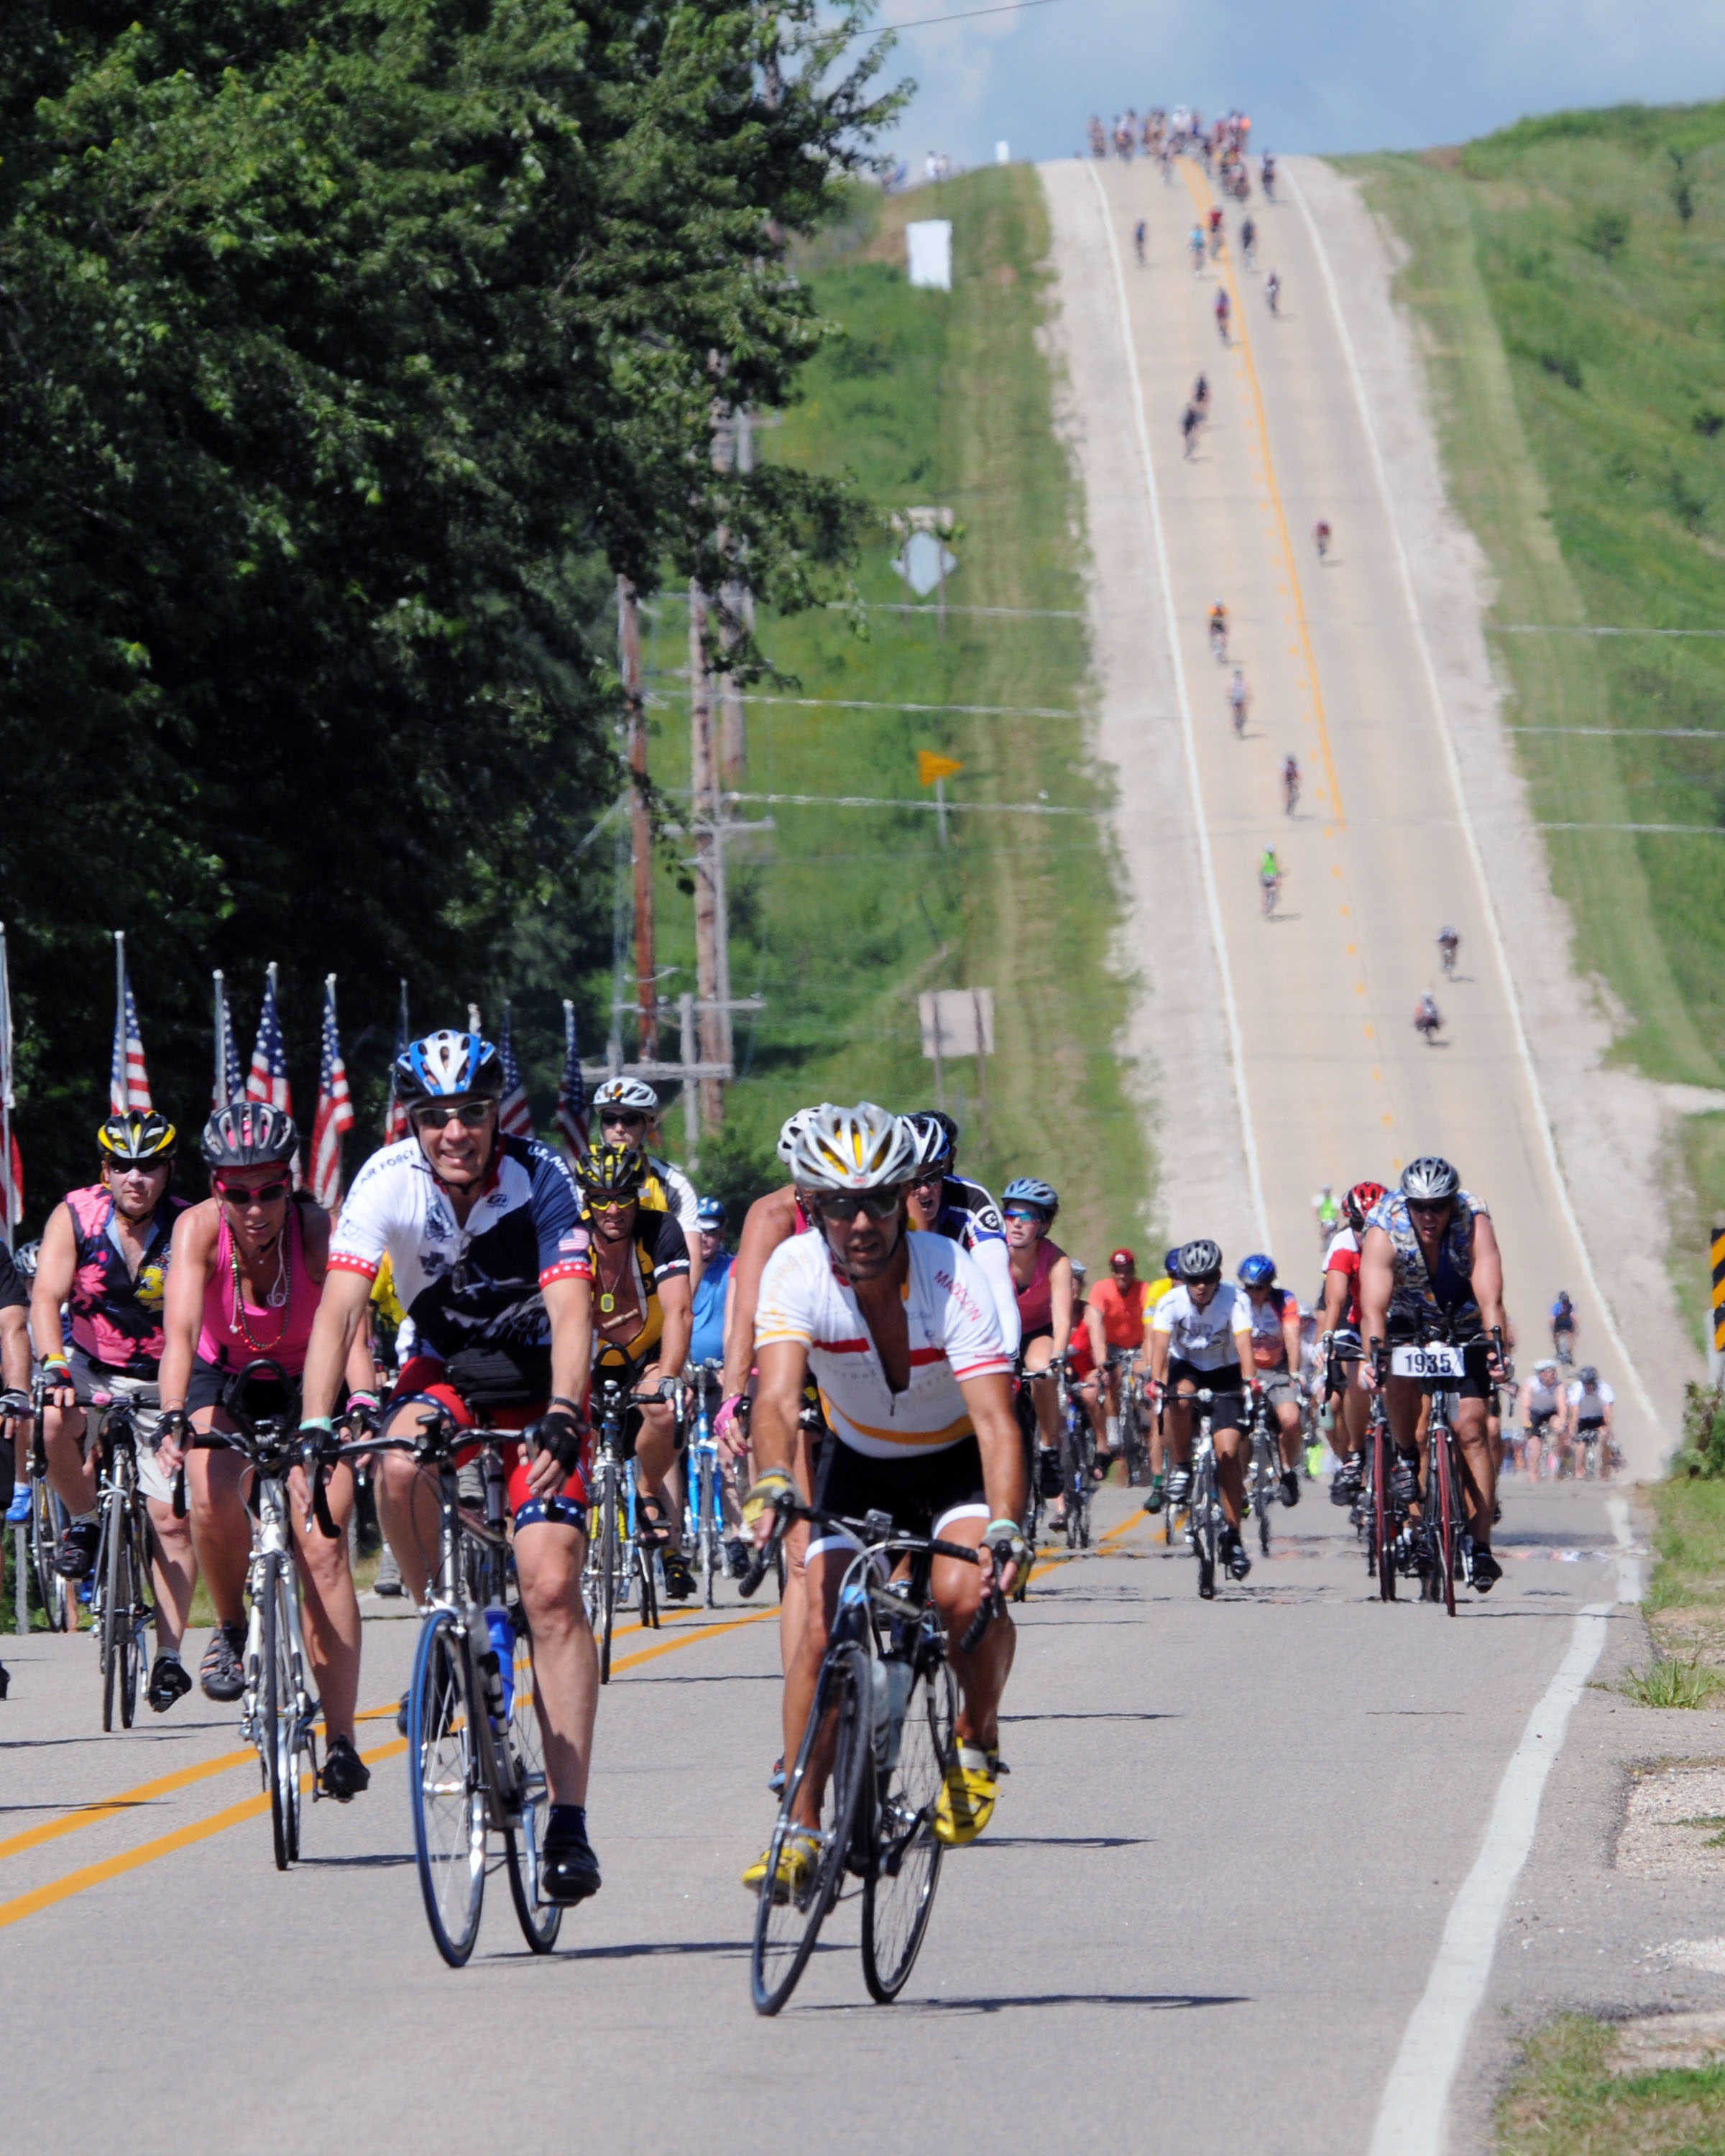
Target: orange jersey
[{"x": 1122, "y": 1315}]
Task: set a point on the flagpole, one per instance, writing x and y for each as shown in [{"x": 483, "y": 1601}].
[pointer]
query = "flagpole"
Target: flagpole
[
  {"x": 120, "y": 1030},
  {"x": 224, "y": 1077}
]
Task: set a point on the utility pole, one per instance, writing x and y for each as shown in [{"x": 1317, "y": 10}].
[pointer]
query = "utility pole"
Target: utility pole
[
  {"x": 709, "y": 869},
  {"x": 734, "y": 447},
  {"x": 628, "y": 638}
]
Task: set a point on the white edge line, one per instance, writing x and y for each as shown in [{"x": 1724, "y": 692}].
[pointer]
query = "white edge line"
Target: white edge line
[
  {"x": 1629, "y": 1560},
  {"x": 1212, "y": 903},
  {"x": 1411, "y": 2117},
  {"x": 1547, "y": 1136}
]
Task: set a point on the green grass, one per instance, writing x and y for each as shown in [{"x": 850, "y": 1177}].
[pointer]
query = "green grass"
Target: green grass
[
  {"x": 1668, "y": 1683},
  {"x": 1684, "y": 1603},
  {"x": 1574, "y": 327},
  {"x": 840, "y": 916},
  {"x": 1564, "y": 2101}
]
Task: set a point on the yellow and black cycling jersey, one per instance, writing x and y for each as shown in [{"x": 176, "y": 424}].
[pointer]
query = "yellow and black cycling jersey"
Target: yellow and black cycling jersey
[{"x": 628, "y": 1315}]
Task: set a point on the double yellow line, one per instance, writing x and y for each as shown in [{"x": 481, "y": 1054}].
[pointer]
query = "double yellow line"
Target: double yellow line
[{"x": 201, "y": 1830}]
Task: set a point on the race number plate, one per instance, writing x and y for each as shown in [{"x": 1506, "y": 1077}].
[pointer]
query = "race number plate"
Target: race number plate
[{"x": 1436, "y": 1361}]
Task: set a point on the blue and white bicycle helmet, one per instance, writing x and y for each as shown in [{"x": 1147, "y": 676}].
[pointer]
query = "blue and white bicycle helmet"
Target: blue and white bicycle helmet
[
  {"x": 1171, "y": 1261},
  {"x": 935, "y": 1136},
  {"x": 1032, "y": 1190},
  {"x": 711, "y": 1213},
  {"x": 447, "y": 1066},
  {"x": 1257, "y": 1270}
]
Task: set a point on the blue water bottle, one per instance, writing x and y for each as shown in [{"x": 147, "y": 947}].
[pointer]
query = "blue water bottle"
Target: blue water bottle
[{"x": 502, "y": 1638}]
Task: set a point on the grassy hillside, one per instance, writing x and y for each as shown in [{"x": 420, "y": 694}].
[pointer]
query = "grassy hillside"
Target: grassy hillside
[
  {"x": 841, "y": 915},
  {"x": 1568, "y": 272}
]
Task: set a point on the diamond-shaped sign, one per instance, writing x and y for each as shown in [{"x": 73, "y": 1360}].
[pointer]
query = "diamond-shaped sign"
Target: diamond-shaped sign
[{"x": 923, "y": 561}]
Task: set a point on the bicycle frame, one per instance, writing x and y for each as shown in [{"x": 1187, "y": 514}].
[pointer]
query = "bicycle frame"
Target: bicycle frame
[{"x": 124, "y": 1546}]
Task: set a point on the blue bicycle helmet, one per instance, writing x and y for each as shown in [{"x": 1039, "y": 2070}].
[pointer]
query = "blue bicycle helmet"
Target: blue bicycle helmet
[
  {"x": 1257, "y": 1270},
  {"x": 1171, "y": 1262},
  {"x": 447, "y": 1066},
  {"x": 711, "y": 1213},
  {"x": 1032, "y": 1190}
]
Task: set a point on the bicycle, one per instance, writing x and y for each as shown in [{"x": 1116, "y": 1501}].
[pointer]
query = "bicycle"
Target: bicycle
[
  {"x": 1381, "y": 1515},
  {"x": 1030, "y": 1525},
  {"x": 49, "y": 1521},
  {"x": 277, "y": 1710},
  {"x": 1264, "y": 1470},
  {"x": 884, "y": 1712},
  {"x": 1290, "y": 787},
  {"x": 1134, "y": 1417},
  {"x": 1270, "y": 887},
  {"x": 120, "y": 1606},
  {"x": 1447, "y": 948},
  {"x": 1206, "y": 1523},
  {"x": 475, "y": 1746},
  {"x": 616, "y": 1558},
  {"x": 1077, "y": 1457},
  {"x": 1444, "y": 1547},
  {"x": 704, "y": 1488}
]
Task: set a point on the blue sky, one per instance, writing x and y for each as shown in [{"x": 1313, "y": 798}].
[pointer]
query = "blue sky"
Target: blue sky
[{"x": 1314, "y": 75}]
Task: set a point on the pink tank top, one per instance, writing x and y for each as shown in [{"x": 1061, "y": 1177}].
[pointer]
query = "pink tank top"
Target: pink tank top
[
  {"x": 280, "y": 1334},
  {"x": 1035, "y": 1299}
]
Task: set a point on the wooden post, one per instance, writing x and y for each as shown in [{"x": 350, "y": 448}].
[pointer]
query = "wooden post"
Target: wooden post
[
  {"x": 629, "y": 627},
  {"x": 981, "y": 1081},
  {"x": 703, "y": 820},
  {"x": 691, "y": 1096},
  {"x": 734, "y": 618}
]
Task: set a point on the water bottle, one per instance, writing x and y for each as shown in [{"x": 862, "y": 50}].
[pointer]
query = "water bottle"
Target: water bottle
[
  {"x": 500, "y": 1689},
  {"x": 892, "y": 1690}
]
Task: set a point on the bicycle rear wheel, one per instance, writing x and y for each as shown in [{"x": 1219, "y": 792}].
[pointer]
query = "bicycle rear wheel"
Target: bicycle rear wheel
[
  {"x": 524, "y": 1837},
  {"x": 1206, "y": 1531},
  {"x": 898, "y": 1893},
  {"x": 1383, "y": 1510},
  {"x": 446, "y": 1787},
  {"x": 1445, "y": 1504},
  {"x": 708, "y": 1543},
  {"x": 788, "y": 1921},
  {"x": 57, "y": 1596},
  {"x": 605, "y": 1616}
]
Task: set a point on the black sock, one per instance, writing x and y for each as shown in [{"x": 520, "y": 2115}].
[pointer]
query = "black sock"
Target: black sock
[{"x": 568, "y": 1818}]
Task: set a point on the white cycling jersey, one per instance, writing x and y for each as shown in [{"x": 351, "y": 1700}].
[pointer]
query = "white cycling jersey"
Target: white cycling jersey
[
  {"x": 1590, "y": 1406},
  {"x": 1538, "y": 1400},
  {"x": 954, "y": 1335},
  {"x": 1217, "y": 1338}
]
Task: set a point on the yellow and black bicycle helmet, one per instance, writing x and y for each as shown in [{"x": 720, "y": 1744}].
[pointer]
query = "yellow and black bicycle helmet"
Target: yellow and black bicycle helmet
[
  {"x": 140, "y": 1138},
  {"x": 609, "y": 1171}
]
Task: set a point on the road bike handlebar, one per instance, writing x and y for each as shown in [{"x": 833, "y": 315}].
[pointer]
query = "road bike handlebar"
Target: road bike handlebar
[{"x": 876, "y": 1532}]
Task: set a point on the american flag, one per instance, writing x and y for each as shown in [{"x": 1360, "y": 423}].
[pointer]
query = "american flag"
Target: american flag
[
  {"x": 572, "y": 1094},
  {"x": 267, "y": 1078},
  {"x": 128, "y": 1080},
  {"x": 395, "y": 1125},
  {"x": 335, "y": 1110},
  {"x": 514, "y": 1114},
  {"x": 229, "y": 1084}
]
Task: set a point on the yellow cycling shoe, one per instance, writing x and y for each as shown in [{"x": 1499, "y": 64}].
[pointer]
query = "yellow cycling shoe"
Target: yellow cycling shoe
[
  {"x": 798, "y": 1853},
  {"x": 966, "y": 1803}
]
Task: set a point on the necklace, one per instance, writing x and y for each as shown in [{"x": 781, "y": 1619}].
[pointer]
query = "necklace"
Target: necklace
[{"x": 276, "y": 1299}]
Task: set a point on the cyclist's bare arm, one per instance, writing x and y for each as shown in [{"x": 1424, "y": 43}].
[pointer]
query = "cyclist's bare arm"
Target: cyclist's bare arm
[
  {"x": 55, "y": 1267},
  {"x": 676, "y": 1301},
  {"x": 1059, "y": 1299},
  {"x": 1098, "y": 1337},
  {"x": 780, "y": 1366},
  {"x": 181, "y": 1315},
  {"x": 770, "y": 1221},
  {"x": 341, "y": 1315},
  {"x": 1334, "y": 1306},
  {"x": 15, "y": 1350},
  {"x": 989, "y": 1398}
]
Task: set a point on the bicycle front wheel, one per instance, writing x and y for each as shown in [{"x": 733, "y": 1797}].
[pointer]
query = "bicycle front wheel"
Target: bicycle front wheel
[
  {"x": 524, "y": 1837},
  {"x": 47, "y": 1519},
  {"x": 789, "y": 1914},
  {"x": 1384, "y": 1526},
  {"x": 276, "y": 1707},
  {"x": 605, "y": 1617},
  {"x": 293, "y": 1710},
  {"x": 1445, "y": 1504},
  {"x": 114, "y": 1613},
  {"x": 898, "y": 1893},
  {"x": 447, "y": 1788}
]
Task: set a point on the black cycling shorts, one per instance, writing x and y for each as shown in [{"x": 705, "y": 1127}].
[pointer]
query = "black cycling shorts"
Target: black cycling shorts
[
  {"x": 1228, "y": 1409},
  {"x": 918, "y": 1492}
]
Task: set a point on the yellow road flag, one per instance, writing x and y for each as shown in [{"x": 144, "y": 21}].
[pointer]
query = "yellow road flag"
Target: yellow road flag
[{"x": 931, "y": 767}]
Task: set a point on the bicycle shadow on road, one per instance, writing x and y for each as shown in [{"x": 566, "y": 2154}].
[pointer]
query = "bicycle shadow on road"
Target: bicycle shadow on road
[{"x": 1162, "y": 2001}]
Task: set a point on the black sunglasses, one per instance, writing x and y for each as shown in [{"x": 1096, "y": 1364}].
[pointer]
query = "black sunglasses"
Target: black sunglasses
[
  {"x": 469, "y": 1114},
  {"x": 878, "y": 1205}
]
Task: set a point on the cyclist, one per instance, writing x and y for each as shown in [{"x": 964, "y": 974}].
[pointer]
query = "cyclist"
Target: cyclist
[
  {"x": 249, "y": 1265},
  {"x": 944, "y": 1203},
  {"x": 1328, "y": 1213},
  {"x": 1215, "y": 233},
  {"x": 1542, "y": 1405},
  {"x": 1590, "y": 1403},
  {"x": 706, "y": 1347},
  {"x": 771, "y": 1220},
  {"x": 1222, "y": 311},
  {"x": 1195, "y": 240},
  {"x": 1218, "y": 630},
  {"x": 1189, "y": 424},
  {"x": 1269, "y": 880},
  {"x": 1248, "y": 241},
  {"x": 1042, "y": 1275},
  {"x": 1339, "y": 1317},
  {"x": 1429, "y": 1259},
  {"x": 1238, "y": 696},
  {"x": 1118, "y": 1308},
  {"x": 1201, "y": 400},
  {"x": 1268, "y": 171},
  {"x": 1272, "y": 292},
  {"x": 899, "y": 1329},
  {"x": 486, "y": 1238},
  {"x": 1564, "y": 1327},
  {"x": 1428, "y": 1018},
  {"x": 1276, "y": 1358},
  {"x": 1201, "y": 1339},
  {"x": 1290, "y": 783},
  {"x": 641, "y": 1326},
  {"x": 105, "y": 1257},
  {"x": 1449, "y": 943},
  {"x": 1138, "y": 241},
  {"x": 627, "y": 1113},
  {"x": 1321, "y": 533}
]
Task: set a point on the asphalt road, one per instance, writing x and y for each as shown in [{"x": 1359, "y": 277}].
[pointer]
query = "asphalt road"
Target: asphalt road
[{"x": 1212, "y": 1892}]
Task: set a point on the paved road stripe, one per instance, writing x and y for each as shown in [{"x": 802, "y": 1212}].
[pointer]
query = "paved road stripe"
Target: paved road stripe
[
  {"x": 1476, "y": 859},
  {"x": 195, "y": 1830},
  {"x": 1411, "y": 2118},
  {"x": 1213, "y": 904}
]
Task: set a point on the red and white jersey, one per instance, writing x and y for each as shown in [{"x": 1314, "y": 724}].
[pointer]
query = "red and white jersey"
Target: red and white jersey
[
  {"x": 954, "y": 1333},
  {"x": 1342, "y": 1256}
]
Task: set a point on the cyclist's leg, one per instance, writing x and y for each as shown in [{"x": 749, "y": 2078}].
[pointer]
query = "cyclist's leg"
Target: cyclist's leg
[
  {"x": 71, "y": 1475},
  {"x": 1286, "y": 1409},
  {"x": 793, "y": 1603},
  {"x": 407, "y": 1500},
  {"x": 548, "y": 1558},
  {"x": 825, "y": 1556},
  {"x": 173, "y": 1567},
  {"x": 332, "y": 1628},
  {"x": 1479, "y": 1464},
  {"x": 982, "y": 1674},
  {"x": 221, "y": 1527},
  {"x": 1231, "y": 1450}
]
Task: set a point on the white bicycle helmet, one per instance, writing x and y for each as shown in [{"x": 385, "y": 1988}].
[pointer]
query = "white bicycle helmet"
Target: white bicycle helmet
[
  {"x": 626, "y": 1093},
  {"x": 1430, "y": 1179},
  {"x": 793, "y": 1126},
  {"x": 860, "y": 1148}
]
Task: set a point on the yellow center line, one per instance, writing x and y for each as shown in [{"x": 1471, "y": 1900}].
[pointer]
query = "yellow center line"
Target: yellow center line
[
  {"x": 1201, "y": 196},
  {"x": 195, "y": 1830}
]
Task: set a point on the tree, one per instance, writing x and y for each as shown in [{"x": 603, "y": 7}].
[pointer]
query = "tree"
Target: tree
[{"x": 348, "y": 348}]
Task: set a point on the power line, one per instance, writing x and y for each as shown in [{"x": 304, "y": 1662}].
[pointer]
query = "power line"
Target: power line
[{"x": 922, "y": 21}]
